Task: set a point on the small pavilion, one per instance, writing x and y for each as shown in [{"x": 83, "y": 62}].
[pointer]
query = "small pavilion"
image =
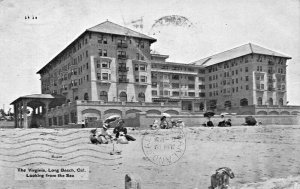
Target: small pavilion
[{"x": 40, "y": 104}]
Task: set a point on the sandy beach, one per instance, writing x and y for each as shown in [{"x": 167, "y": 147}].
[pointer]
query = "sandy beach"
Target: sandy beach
[{"x": 260, "y": 157}]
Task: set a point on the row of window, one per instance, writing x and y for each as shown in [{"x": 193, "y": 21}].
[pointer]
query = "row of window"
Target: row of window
[
  {"x": 104, "y": 40},
  {"x": 176, "y": 93}
]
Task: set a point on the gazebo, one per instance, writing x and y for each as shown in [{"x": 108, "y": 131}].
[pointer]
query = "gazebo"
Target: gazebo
[{"x": 40, "y": 104}]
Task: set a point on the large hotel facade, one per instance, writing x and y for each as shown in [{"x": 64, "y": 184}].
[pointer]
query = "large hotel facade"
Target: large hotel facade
[{"x": 110, "y": 69}]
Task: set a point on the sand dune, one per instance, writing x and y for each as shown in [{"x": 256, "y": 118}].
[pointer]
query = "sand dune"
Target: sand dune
[{"x": 261, "y": 157}]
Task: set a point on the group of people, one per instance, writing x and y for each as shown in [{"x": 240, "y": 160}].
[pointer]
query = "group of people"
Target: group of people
[
  {"x": 222, "y": 123},
  {"x": 164, "y": 124},
  {"x": 102, "y": 136}
]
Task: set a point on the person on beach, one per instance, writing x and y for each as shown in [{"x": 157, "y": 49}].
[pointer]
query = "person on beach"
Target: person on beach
[
  {"x": 82, "y": 124},
  {"x": 163, "y": 123},
  {"x": 104, "y": 137},
  {"x": 93, "y": 137},
  {"x": 120, "y": 130},
  {"x": 228, "y": 123},
  {"x": 222, "y": 123}
]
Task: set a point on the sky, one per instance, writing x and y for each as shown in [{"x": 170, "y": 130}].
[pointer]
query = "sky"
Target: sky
[{"x": 28, "y": 44}]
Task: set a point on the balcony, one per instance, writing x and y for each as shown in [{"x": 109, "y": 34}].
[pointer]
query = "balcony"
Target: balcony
[
  {"x": 123, "y": 69},
  {"x": 271, "y": 63},
  {"x": 122, "y": 56},
  {"x": 141, "y": 83},
  {"x": 123, "y": 80},
  {"x": 122, "y": 45}
]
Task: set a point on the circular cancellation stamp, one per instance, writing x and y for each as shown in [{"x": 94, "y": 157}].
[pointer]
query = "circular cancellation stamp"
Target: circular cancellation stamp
[{"x": 164, "y": 146}]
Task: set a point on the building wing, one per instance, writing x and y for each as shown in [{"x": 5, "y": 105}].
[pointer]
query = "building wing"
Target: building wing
[{"x": 237, "y": 52}]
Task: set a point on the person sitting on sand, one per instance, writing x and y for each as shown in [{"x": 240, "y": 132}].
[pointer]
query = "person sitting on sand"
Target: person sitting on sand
[
  {"x": 104, "y": 137},
  {"x": 93, "y": 137},
  {"x": 121, "y": 130},
  {"x": 222, "y": 122},
  {"x": 228, "y": 123},
  {"x": 221, "y": 178},
  {"x": 163, "y": 123}
]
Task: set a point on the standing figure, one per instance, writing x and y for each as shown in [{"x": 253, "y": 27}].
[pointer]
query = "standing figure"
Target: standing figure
[{"x": 163, "y": 123}]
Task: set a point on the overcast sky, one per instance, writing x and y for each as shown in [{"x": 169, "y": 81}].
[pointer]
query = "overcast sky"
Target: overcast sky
[{"x": 27, "y": 45}]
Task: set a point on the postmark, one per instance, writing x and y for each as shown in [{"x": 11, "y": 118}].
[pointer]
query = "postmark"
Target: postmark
[{"x": 164, "y": 147}]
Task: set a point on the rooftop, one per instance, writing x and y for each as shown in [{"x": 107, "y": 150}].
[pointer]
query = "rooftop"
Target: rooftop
[
  {"x": 112, "y": 28},
  {"x": 243, "y": 50},
  {"x": 38, "y": 96}
]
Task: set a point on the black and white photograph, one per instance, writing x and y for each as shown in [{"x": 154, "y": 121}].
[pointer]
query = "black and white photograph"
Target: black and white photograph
[{"x": 136, "y": 94}]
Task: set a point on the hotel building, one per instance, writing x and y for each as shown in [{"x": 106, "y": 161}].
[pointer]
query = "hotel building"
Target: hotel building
[{"x": 110, "y": 69}]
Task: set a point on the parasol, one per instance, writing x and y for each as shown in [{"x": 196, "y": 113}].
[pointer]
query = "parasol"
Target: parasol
[
  {"x": 166, "y": 114},
  {"x": 112, "y": 118},
  {"x": 209, "y": 114}
]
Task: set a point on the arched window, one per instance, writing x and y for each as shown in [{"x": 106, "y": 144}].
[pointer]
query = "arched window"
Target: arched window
[
  {"x": 259, "y": 101},
  {"x": 271, "y": 101},
  {"x": 244, "y": 102},
  {"x": 103, "y": 96},
  {"x": 141, "y": 97},
  {"x": 227, "y": 104},
  {"x": 281, "y": 102},
  {"x": 123, "y": 97},
  {"x": 86, "y": 96}
]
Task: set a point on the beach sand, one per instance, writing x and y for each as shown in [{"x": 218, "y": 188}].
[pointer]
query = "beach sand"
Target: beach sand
[{"x": 260, "y": 157}]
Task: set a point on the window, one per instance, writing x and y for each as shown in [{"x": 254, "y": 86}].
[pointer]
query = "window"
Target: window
[
  {"x": 191, "y": 94},
  {"x": 103, "y": 96},
  {"x": 262, "y": 86},
  {"x": 142, "y": 44},
  {"x": 280, "y": 102},
  {"x": 167, "y": 93},
  {"x": 244, "y": 102},
  {"x": 236, "y": 71},
  {"x": 227, "y": 104},
  {"x": 270, "y": 101},
  {"x": 210, "y": 86},
  {"x": 247, "y": 87},
  {"x": 175, "y": 85},
  {"x": 209, "y": 78},
  {"x": 105, "y": 65},
  {"x": 105, "y": 76},
  {"x": 175, "y": 93},
  {"x": 202, "y": 95},
  {"x": 141, "y": 97},
  {"x": 246, "y": 69},
  {"x": 137, "y": 56},
  {"x": 191, "y": 86},
  {"x": 191, "y": 78},
  {"x": 175, "y": 77},
  {"x": 87, "y": 77},
  {"x": 154, "y": 84},
  {"x": 100, "y": 52},
  {"x": 123, "y": 97},
  {"x": 143, "y": 79},
  {"x": 86, "y": 96},
  {"x": 98, "y": 76},
  {"x": 154, "y": 93},
  {"x": 237, "y": 89},
  {"x": 259, "y": 101},
  {"x": 87, "y": 66},
  {"x": 247, "y": 78},
  {"x": 143, "y": 67},
  {"x": 104, "y": 52},
  {"x": 136, "y": 67},
  {"x": 201, "y": 86},
  {"x": 236, "y": 80},
  {"x": 104, "y": 40}
]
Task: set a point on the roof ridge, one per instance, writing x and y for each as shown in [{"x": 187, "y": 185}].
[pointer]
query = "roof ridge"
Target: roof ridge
[{"x": 125, "y": 28}]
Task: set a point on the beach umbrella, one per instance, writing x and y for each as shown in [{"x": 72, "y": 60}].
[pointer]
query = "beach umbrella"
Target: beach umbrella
[
  {"x": 112, "y": 118},
  {"x": 209, "y": 114},
  {"x": 166, "y": 114},
  {"x": 250, "y": 120}
]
